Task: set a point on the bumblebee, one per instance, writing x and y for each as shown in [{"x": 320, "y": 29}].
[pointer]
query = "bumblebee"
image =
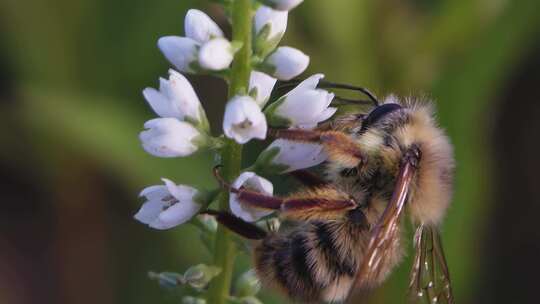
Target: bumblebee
[{"x": 347, "y": 232}]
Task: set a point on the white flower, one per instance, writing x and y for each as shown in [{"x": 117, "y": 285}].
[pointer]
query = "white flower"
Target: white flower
[
  {"x": 305, "y": 106},
  {"x": 203, "y": 47},
  {"x": 261, "y": 84},
  {"x": 275, "y": 20},
  {"x": 283, "y": 5},
  {"x": 253, "y": 182},
  {"x": 199, "y": 27},
  {"x": 168, "y": 206},
  {"x": 169, "y": 137},
  {"x": 175, "y": 98},
  {"x": 244, "y": 120},
  {"x": 287, "y": 62},
  {"x": 216, "y": 54},
  {"x": 297, "y": 155},
  {"x": 180, "y": 51}
]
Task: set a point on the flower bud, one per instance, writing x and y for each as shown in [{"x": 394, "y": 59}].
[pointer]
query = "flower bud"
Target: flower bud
[
  {"x": 260, "y": 87},
  {"x": 216, "y": 54},
  {"x": 203, "y": 48},
  {"x": 208, "y": 221},
  {"x": 285, "y": 63},
  {"x": 170, "y": 137},
  {"x": 247, "y": 284},
  {"x": 176, "y": 98},
  {"x": 199, "y": 276},
  {"x": 244, "y": 120},
  {"x": 199, "y": 27},
  {"x": 269, "y": 27},
  {"x": 167, "y": 279}
]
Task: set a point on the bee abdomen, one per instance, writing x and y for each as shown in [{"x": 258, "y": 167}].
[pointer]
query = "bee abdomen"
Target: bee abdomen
[
  {"x": 283, "y": 262},
  {"x": 305, "y": 264}
]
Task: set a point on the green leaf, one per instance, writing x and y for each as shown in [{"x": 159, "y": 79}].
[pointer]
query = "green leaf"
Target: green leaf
[
  {"x": 274, "y": 119},
  {"x": 264, "y": 164}
]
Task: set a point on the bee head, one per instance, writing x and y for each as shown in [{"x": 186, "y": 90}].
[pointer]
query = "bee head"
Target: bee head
[{"x": 377, "y": 114}]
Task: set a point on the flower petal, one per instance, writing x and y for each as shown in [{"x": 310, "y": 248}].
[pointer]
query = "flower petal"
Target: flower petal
[
  {"x": 154, "y": 192},
  {"x": 168, "y": 137},
  {"x": 263, "y": 185},
  {"x": 177, "y": 214},
  {"x": 157, "y": 102},
  {"x": 182, "y": 101},
  {"x": 180, "y": 192},
  {"x": 216, "y": 54},
  {"x": 283, "y": 5},
  {"x": 277, "y": 20},
  {"x": 149, "y": 211},
  {"x": 305, "y": 105},
  {"x": 263, "y": 84},
  {"x": 297, "y": 155},
  {"x": 327, "y": 113},
  {"x": 168, "y": 205},
  {"x": 288, "y": 62},
  {"x": 309, "y": 83},
  {"x": 242, "y": 178},
  {"x": 180, "y": 51},
  {"x": 199, "y": 27},
  {"x": 244, "y": 120}
]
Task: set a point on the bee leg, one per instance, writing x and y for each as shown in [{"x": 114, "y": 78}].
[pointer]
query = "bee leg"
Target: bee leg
[
  {"x": 300, "y": 207},
  {"x": 258, "y": 200},
  {"x": 308, "y": 179},
  {"x": 237, "y": 225},
  {"x": 316, "y": 208},
  {"x": 324, "y": 203},
  {"x": 253, "y": 198},
  {"x": 340, "y": 147}
]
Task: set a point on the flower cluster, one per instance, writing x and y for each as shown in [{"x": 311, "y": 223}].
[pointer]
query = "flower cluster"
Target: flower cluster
[{"x": 182, "y": 129}]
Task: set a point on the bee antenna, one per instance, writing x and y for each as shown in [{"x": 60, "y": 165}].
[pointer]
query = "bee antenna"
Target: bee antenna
[
  {"x": 372, "y": 99},
  {"x": 222, "y": 182},
  {"x": 332, "y": 85},
  {"x": 342, "y": 100}
]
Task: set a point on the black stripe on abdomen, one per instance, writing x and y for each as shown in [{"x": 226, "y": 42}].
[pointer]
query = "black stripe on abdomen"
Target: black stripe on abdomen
[
  {"x": 335, "y": 262},
  {"x": 299, "y": 254},
  {"x": 292, "y": 270}
]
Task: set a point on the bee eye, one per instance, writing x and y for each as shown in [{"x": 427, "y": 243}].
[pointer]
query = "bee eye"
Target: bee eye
[{"x": 378, "y": 113}]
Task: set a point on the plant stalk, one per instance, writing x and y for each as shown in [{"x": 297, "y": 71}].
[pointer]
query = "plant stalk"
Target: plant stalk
[{"x": 231, "y": 154}]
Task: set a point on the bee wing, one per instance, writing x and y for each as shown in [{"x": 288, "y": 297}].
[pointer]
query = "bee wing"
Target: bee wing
[
  {"x": 430, "y": 278},
  {"x": 384, "y": 235}
]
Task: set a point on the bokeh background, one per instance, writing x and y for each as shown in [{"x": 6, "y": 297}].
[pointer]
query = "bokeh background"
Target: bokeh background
[{"x": 71, "y": 75}]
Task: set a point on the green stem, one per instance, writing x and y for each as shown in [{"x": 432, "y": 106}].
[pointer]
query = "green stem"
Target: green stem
[
  {"x": 224, "y": 254},
  {"x": 241, "y": 32}
]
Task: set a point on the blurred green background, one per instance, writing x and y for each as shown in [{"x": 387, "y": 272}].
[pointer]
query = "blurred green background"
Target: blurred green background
[{"x": 71, "y": 75}]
